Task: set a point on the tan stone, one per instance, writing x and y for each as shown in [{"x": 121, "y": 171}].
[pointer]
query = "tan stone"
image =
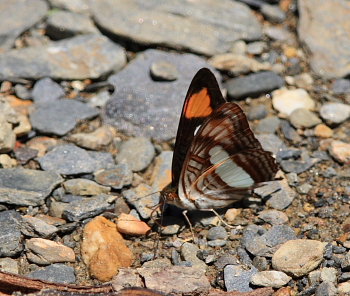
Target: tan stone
[
  {"x": 323, "y": 131},
  {"x": 103, "y": 249},
  {"x": 130, "y": 225}
]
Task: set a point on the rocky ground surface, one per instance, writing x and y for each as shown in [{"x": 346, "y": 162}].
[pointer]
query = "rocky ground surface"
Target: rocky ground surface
[{"x": 90, "y": 97}]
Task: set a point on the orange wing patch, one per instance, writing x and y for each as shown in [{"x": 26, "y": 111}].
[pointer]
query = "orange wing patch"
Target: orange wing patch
[{"x": 198, "y": 105}]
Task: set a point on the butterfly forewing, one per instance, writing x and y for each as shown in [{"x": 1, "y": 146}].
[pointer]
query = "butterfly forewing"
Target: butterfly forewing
[{"x": 201, "y": 100}]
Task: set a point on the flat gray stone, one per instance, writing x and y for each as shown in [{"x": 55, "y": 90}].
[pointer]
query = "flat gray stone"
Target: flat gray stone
[
  {"x": 71, "y": 160},
  {"x": 61, "y": 116},
  {"x": 325, "y": 37},
  {"x": 10, "y": 234},
  {"x": 17, "y": 16},
  {"x": 46, "y": 91},
  {"x": 56, "y": 273},
  {"x": 142, "y": 107},
  {"x": 203, "y": 26},
  {"x": 25, "y": 187},
  {"x": 80, "y": 57},
  {"x": 237, "y": 277}
]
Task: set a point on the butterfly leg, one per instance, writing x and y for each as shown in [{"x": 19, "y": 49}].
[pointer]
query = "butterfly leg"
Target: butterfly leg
[
  {"x": 189, "y": 223},
  {"x": 217, "y": 215}
]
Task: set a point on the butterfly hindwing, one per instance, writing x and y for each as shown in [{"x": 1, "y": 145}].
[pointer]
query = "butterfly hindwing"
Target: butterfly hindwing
[{"x": 202, "y": 98}]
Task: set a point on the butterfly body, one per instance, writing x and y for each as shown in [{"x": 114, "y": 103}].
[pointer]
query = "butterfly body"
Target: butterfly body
[{"x": 217, "y": 159}]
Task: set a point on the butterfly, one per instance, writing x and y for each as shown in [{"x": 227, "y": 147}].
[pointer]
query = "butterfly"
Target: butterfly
[{"x": 217, "y": 159}]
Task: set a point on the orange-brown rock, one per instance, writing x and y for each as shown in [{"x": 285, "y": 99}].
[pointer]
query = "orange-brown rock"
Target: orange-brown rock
[
  {"x": 130, "y": 225},
  {"x": 103, "y": 249}
]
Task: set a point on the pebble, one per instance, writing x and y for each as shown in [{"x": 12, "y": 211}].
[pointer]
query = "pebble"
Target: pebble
[
  {"x": 189, "y": 253},
  {"x": 6, "y": 161},
  {"x": 238, "y": 277},
  {"x": 56, "y": 273},
  {"x": 97, "y": 140},
  {"x": 257, "y": 48},
  {"x": 335, "y": 113},
  {"x": 239, "y": 47},
  {"x": 24, "y": 154},
  {"x": 35, "y": 227},
  {"x": 163, "y": 71},
  {"x": 304, "y": 188},
  {"x": 10, "y": 233},
  {"x": 61, "y": 116},
  {"x": 26, "y": 187},
  {"x": 341, "y": 86},
  {"x": 329, "y": 172},
  {"x": 42, "y": 251},
  {"x": 270, "y": 278},
  {"x": 7, "y": 136},
  {"x": 277, "y": 33},
  {"x": 257, "y": 112},
  {"x": 137, "y": 153},
  {"x": 69, "y": 159},
  {"x": 218, "y": 232},
  {"x": 344, "y": 288},
  {"x": 270, "y": 142},
  {"x": 87, "y": 207},
  {"x": 217, "y": 243},
  {"x": 340, "y": 151},
  {"x": 65, "y": 24},
  {"x": 286, "y": 101},
  {"x": 84, "y": 187},
  {"x": 304, "y": 118},
  {"x": 268, "y": 125},
  {"x": 116, "y": 178},
  {"x": 9, "y": 265},
  {"x": 22, "y": 92},
  {"x": 273, "y": 217},
  {"x": 260, "y": 263},
  {"x": 289, "y": 132},
  {"x": 297, "y": 166},
  {"x": 46, "y": 91},
  {"x": 23, "y": 127},
  {"x": 304, "y": 81},
  {"x": 253, "y": 85},
  {"x": 130, "y": 225},
  {"x": 231, "y": 214},
  {"x": 329, "y": 274},
  {"x": 326, "y": 288},
  {"x": 99, "y": 100},
  {"x": 273, "y": 13},
  {"x": 298, "y": 257},
  {"x": 162, "y": 170},
  {"x": 93, "y": 49},
  {"x": 323, "y": 131},
  {"x": 237, "y": 64},
  {"x": 103, "y": 249}
]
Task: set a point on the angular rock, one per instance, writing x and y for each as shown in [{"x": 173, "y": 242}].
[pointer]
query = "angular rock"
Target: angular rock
[
  {"x": 238, "y": 277},
  {"x": 270, "y": 278},
  {"x": 103, "y": 249},
  {"x": 98, "y": 56},
  {"x": 71, "y": 160},
  {"x": 61, "y": 116},
  {"x": 26, "y": 187},
  {"x": 84, "y": 187},
  {"x": 117, "y": 178},
  {"x": 56, "y": 273},
  {"x": 10, "y": 234},
  {"x": 179, "y": 24},
  {"x": 47, "y": 91},
  {"x": 35, "y": 227}
]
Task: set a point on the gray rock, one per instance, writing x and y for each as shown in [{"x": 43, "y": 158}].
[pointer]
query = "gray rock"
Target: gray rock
[
  {"x": 142, "y": 107},
  {"x": 26, "y": 187},
  {"x": 137, "y": 153},
  {"x": 9, "y": 265},
  {"x": 326, "y": 288},
  {"x": 341, "y": 86},
  {"x": 253, "y": 85},
  {"x": 270, "y": 142},
  {"x": 35, "y": 227},
  {"x": 328, "y": 54},
  {"x": 273, "y": 217},
  {"x": 260, "y": 263},
  {"x": 285, "y": 153},
  {"x": 24, "y": 15},
  {"x": 268, "y": 125},
  {"x": 237, "y": 277},
  {"x": 335, "y": 113},
  {"x": 217, "y": 243},
  {"x": 56, "y": 273},
  {"x": 278, "y": 234},
  {"x": 84, "y": 187},
  {"x": 256, "y": 47},
  {"x": 71, "y": 160},
  {"x": 257, "y": 112},
  {"x": 117, "y": 177},
  {"x": 98, "y": 56},
  {"x": 189, "y": 253},
  {"x": 289, "y": 132},
  {"x": 24, "y": 154},
  {"x": 304, "y": 188},
  {"x": 87, "y": 207},
  {"x": 163, "y": 71},
  {"x": 278, "y": 33},
  {"x": 272, "y": 13},
  {"x": 22, "y": 92},
  {"x": 329, "y": 172},
  {"x": 78, "y": 6},
  {"x": 218, "y": 232},
  {"x": 60, "y": 117},
  {"x": 10, "y": 234},
  {"x": 47, "y": 91},
  {"x": 297, "y": 166},
  {"x": 303, "y": 118},
  {"x": 65, "y": 24},
  {"x": 179, "y": 24}
]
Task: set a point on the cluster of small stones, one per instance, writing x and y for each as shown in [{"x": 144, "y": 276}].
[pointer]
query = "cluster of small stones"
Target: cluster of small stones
[{"x": 87, "y": 127}]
